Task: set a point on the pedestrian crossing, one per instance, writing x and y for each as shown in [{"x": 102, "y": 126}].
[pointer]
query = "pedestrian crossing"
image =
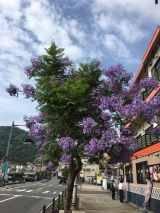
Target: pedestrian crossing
[{"x": 40, "y": 190}]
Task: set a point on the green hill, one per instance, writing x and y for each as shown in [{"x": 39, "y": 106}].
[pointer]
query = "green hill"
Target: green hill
[{"x": 18, "y": 152}]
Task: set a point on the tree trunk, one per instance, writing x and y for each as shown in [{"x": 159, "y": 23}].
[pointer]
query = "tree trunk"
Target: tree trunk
[{"x": 74, "y": 169}]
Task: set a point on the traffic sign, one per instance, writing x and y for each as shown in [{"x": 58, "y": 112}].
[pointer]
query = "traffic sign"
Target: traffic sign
[{"x": 27, "y": 141}]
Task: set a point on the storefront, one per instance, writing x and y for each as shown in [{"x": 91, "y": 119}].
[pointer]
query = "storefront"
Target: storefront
[{"x": 145, "y": 165}]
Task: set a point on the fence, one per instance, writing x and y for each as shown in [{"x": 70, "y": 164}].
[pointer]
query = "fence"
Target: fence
[{"x": 54, "y": 207}]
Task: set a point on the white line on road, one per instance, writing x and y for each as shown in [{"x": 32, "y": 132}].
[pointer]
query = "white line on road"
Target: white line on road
[
  {"x": 54, "y": 192},
  {"x": 30, "y": 191},
  {"x": 14, "y": 196},
  {"x": 45, "y": 192},
  {"x": 21, "y": 190},
  {"x": 39, "y": 188},
  {"x": 48, "y": 198},
  {"x": 26, "y": 185}
]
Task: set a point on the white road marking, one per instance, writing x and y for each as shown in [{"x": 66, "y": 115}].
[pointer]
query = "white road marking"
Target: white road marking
[
  {"x": 33, "y": 184},
  {"x": 14, "y": 196},
  {"x": 45, "y": 192},
  {"x": 21, "y": 190},
  {"x": 39, "y": 188},
  {"x": 28, "y": 196},
  {"x": 30, "y": 191},
  {"x": 54, "y": 192}
]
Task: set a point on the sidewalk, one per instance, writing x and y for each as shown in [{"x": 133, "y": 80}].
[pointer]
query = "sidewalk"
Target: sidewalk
[{"x": 98, "y": 200}]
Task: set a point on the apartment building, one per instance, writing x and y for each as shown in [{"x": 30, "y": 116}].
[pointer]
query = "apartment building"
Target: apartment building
[
  {"x": 89, "y": 169},
  {"x": 145, "y": 163}
]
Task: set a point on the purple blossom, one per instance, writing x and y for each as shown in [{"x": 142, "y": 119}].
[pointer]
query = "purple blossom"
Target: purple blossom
[
  {"x": 67, "y": 143},
  {"x": 29, "y": 91},
  {"x": 39, "y": 144},
  {"x": 30, "y": 71},
  {"x": 127, "y": 131},
  {"x": 117, "y": 78},
  {"x": 94, "y": 146},
  {"x": 30, "y": 121},
  {"x": 65, "y": 158},
  {"x": 88, "y": 125},
  {"x": 12, "y": 90},
  {"x": 112, "y": 102},
  {"x": 149, "y": 83},
  {"x": 49, "y": 167}
]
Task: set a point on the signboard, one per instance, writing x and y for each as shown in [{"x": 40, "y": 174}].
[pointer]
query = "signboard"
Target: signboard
[{"x": 154, "y": 172}]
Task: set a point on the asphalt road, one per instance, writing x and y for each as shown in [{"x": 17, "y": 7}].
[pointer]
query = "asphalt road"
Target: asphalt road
[{"x": 29, "y": 197}]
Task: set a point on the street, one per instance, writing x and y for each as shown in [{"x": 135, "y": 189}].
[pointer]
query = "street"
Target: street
[{"x": 29, "y": 197}]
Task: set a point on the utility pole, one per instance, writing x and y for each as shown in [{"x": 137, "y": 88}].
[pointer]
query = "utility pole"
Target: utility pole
[
  {"x": 5, "y": 164},
  {"x": 9, "y": 141}
]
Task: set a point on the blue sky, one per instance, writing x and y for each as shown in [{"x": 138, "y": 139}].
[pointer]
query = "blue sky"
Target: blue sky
[{"x": 116, "y": 31}]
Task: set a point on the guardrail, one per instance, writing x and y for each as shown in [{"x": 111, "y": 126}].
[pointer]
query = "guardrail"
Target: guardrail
[{"x": 54, "y": 207}]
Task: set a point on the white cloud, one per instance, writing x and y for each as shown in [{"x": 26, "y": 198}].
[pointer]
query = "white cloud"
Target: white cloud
[
  {"x": 116, "y": 48},
  {"x": 11, "y": 9},
  {"x": 111, "y": 31},
  {"x": 125, "y": 29},
  {"x": 78, "y": 52}
]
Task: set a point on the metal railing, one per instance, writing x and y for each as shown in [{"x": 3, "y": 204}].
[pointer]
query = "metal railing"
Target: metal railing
[
  {"x": 54, "y": 207},
  {"x": 146, "y": 140}
]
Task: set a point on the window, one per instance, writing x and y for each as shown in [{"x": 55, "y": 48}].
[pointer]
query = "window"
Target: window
[
  {"x": 157, "y": 70},
  {"x": 88, "y": 170},
  {"x": 142, "y": 172},
  {"x": 129, "y": 174},
  {"x": 157, "y": 65},
  {"x": 93, "y": 169}
]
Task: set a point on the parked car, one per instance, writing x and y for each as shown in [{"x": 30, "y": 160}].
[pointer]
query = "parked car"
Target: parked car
[
  {"x": 62, "y": 180},
  {"x": 29, "y": 177}
]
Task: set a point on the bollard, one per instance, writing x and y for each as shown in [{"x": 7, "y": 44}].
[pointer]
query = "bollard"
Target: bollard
[
  {"x": 62, "y": 198},
  {"x": 44, "y": 209},
  {"x": 59, "y": 201},
  {"x": 53, "y": 204},
  {"x": 74, "y": 198}
]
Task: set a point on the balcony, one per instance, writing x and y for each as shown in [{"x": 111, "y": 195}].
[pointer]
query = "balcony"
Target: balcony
[{"x": 146, "y": 140}]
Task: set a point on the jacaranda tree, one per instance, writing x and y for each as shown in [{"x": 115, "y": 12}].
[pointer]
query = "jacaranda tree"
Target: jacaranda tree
[{"x": 83, "y": 110}]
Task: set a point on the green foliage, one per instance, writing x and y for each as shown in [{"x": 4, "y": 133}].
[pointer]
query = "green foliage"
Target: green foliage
[
  {"x": 18, "y": 152},
  {"x": 63, "y": 98}
]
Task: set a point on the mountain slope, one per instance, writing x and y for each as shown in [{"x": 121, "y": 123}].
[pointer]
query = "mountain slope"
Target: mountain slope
[{"x": 18, "y": 151}]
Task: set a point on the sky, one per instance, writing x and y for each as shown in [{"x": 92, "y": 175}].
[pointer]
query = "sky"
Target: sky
[{"x": 116, "y": 32}]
